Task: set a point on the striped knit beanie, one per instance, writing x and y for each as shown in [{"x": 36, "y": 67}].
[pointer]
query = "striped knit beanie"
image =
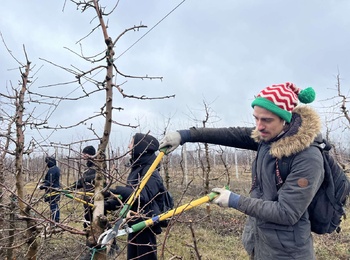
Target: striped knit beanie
[{"x": 281, "y": 99}]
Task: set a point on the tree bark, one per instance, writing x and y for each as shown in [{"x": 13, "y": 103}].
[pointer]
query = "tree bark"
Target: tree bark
[
  {"x": 31, "y": 237},
  {"x": 99, "y": 220}
]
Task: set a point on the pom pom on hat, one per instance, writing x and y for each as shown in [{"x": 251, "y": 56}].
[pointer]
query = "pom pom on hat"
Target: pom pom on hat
[
  {"x": 281, "y": 99},
  {"x": 307, "y": 95}
]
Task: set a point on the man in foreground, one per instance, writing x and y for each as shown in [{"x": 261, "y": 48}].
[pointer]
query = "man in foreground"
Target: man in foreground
[{"x": 278, "y": 225}]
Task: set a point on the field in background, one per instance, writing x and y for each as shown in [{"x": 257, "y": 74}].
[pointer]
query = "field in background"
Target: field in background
[{"x": 207, "y": 230}]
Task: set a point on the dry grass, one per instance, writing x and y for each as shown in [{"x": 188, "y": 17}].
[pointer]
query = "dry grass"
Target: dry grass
[{"x": 207, "y": 230}]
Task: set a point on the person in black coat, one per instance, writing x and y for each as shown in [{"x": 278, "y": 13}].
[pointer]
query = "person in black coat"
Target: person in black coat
[
  {"x": 86, "y": 182},
  {"x": 142, "y": 244},
  {"x": 50, "y": 184}
]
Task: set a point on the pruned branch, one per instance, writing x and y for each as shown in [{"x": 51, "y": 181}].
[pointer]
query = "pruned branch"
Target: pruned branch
[
  {"x": 343, "y": 108},
  {"x": 143, "y": 97}
]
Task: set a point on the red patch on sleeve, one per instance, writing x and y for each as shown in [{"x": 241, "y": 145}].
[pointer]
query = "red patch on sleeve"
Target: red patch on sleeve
[{"x": 302, "y": 182}]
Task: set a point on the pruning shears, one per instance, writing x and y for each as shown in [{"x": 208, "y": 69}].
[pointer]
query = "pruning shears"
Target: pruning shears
[
  {"x": 176, "y": 211},
  {"x": 68, "y": 194},
  {"x": 116, "y": 232},
  {"x": 106, "y": 236}
]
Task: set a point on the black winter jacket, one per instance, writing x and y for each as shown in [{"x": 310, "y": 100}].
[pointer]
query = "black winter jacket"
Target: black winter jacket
[
  {"x": 51, "y": 180},
  {"x": 86, "y": 182},
  {"x": 143, "y": 155}
]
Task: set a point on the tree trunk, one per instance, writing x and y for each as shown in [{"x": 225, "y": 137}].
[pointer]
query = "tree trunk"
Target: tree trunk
[
  {"x": 12, "y": 227},
  {"x": 184, "y": 155},
  {"x": 99, "y": 220},
  {"x": 31, "y": 239}
]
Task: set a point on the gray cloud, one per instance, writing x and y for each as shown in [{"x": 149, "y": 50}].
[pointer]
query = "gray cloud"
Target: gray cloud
[{"x": 221, "y": 52}]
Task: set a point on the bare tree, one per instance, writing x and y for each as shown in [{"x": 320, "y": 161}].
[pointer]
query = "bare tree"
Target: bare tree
[
  {"x": 223, "y": 159},
  {"x": 344, "y": 100},
  {"x": 205, "y": 164},
  {"x": 338, "y": 120},
  {"x": 18, "y": 111},
  {"x": 166, "y": 160},
  {"x": 6, "y": 136},
  {"x": 17, "y": 98},
  {"x": 344, "y": 110},
  {"x": 206, "y": 170},
  {"x": 107, "y": 85}
]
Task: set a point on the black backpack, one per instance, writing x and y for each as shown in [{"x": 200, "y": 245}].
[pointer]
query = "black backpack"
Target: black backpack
[{"x": 327, "y": 207}]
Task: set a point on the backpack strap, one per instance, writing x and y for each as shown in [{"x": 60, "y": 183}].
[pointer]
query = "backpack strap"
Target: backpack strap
[
  {"x": 283, "y": 165},
  {"x": 254, "y": 178}
]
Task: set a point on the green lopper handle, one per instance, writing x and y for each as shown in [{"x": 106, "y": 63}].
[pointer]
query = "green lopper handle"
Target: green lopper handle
[{"x": 149, "y": 222}]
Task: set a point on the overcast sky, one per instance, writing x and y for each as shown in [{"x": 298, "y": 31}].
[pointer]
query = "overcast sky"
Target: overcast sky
[{"x": 218, "y": 52}]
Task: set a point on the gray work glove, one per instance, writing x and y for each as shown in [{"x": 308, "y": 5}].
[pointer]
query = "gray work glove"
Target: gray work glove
[
  {"x": 226, "y": 198},
  {"x": 170, "y": 141}
]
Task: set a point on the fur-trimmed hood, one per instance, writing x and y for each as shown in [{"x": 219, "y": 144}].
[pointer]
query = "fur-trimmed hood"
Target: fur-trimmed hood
[{"x": 298, "y": 135}]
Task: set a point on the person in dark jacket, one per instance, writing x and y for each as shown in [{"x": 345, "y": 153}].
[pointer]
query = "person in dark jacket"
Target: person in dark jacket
[
  {"x": 278, "y": 225},
  {"x": 86, "y": 182},
  {"x": 143, "y": 244},
  {"x": 51, "y": 184}
]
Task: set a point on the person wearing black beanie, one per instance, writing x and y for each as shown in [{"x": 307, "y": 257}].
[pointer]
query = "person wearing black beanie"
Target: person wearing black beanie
[
  {"x": 86, "y": 182},
  {"x": 90, "y": 150}
]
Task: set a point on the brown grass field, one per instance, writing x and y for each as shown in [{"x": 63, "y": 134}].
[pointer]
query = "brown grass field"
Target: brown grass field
[{"x": 204, "y": 232}]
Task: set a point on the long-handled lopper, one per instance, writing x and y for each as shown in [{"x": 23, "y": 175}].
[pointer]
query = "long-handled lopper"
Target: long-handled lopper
[
  {"x": 149, "y": 222},
  {"x": 144, "y": 180},
  {"x": 69, "y": 195},
  {"x": 111, "y": 233}
]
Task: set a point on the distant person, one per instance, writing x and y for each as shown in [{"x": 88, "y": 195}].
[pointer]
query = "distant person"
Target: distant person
[
  {"x": 51, "y": 183},
  {"x": 143, "y": 244},
  {"x": 87, "y": 183},
  {"x": 278, "y": 225}
]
